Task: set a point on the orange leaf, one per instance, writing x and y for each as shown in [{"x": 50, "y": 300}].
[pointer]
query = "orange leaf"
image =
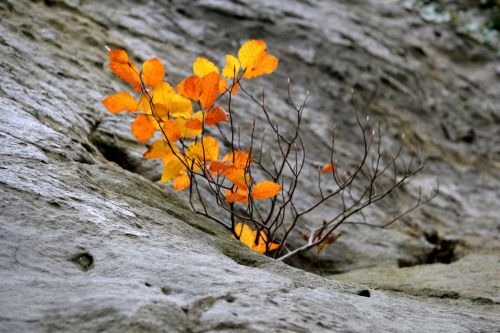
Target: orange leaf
[
  {"x": 265, "y": 190},
  {"x": 193, "y": 124},
  {"x": 324, "y": 244},
  {"x": 142, "y": 128},
  {"x": 209, "y": 89},
  {"x": 181, "y": 182},
  {"x": 236, "y": 196},
  {"x": 265, "y": 65},
  {"x": 216, "y": 115},
  {"x": 153, "y": 72},
  {"x": 235, "y": 87},
  {"x": 241, "y": 158},
  {"x": 238, "y": 177},
  {"x": 328, "y": 168},
  {"x": 159, "y": 149},
  {"x": 220, "y": 166},
  {"x": 172, "y": 130},
  {"x": 190, "y": 87},
  {"x": 222, "y": 86},
  {"x": 119, "y": 102},
  {"x": 120, "y": 64},
  {"x": 187, "y": 132}
]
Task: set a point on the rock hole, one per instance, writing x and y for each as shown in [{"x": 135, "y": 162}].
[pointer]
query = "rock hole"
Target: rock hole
[
  {"x": 113, "y": 153},
  {"x": 364, "y": 293},
  {"x": 230, "y": 298},
  {"x": 84, "y": 259},
  {"x": 147, "y": 284},
  {"x": 166, "y": 291}
]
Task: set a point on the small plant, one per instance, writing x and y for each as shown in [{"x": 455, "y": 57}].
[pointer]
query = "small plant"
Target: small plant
[{"x": 254, "y": 185}]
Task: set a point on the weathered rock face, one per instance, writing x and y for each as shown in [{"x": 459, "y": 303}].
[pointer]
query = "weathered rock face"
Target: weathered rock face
[{"x": 89, "y": 242}]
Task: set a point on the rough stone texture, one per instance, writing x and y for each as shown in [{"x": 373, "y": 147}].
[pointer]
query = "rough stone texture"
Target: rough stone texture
[{"x": 90, "y": 243}]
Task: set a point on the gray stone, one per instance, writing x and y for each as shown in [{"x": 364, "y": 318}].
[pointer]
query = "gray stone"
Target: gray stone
[{"x": 89, "y": 242}]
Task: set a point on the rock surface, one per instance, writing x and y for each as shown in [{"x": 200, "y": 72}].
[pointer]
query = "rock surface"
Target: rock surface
[{"x": 89, "y": 242}]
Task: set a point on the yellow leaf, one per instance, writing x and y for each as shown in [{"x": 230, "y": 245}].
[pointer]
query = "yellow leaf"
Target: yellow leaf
[
  {"x": 119, "y": 102},
  {"x": 153, "y": 72},
  {"x": 207, "y": 149},
  {"x": 256, "y": 241},
  {"x": 251, "y": 51},
  {"x": 160, "y": 149},
  {"x": 265, "y": 190},
  {"x": 142, "y": 128},
  {"x": 255, "y": 60},
  {"x": 203, "y": 67},
  {"x": 172, "y": 168},
  {"x": 232, "y": 67},
  {"x": 245, "y": 233},
  {"x": 179, "y": 106}
]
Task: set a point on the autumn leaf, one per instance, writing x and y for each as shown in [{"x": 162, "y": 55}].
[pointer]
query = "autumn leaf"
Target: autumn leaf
[
  {"x": 193, "y": 124},
  {"x": 209, "y": 89},
  {"x": 328, "y": 168},
  {"x": 172, "y": 130},
  {"x": 120, "y": 102},
  {"x": 171, "y": 168},
  {"x": 235, "y": 88},
  {"x": 142, "y": 128},
  {"x": 246, "y": 234},
  {"x": 215, "y": 116},
  {"x": 207, "y": 149},
  {"x": 120, "y": 64},
  {"x": 179, "y": 106},
  {"x": 153, "y": 72},
  {"x": 257, "y": 241},
  {"x": 181, "y": 182},
  {"x": 238, "y": 195},
  {"x": 222, "y": 86},
  {"x": 190, "y": 87},
  {"x": 203, "y": 67},
  {"x": 232, "y": 67},
  {"x": 265, "y": 190},
  {"x": 160, "y": 149},
  {"x": 238, "y": 177},
  {"x": 324, "y": 244},
  {"x": 254, "y": 59},
  {"x": 221, "y": 166},
  {"x": 187, "y": 132},
  {"x": 240, "y": 158}
]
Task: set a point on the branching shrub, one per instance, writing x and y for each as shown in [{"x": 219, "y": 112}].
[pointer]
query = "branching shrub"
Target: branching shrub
[{"x": 252, "y": 189}]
